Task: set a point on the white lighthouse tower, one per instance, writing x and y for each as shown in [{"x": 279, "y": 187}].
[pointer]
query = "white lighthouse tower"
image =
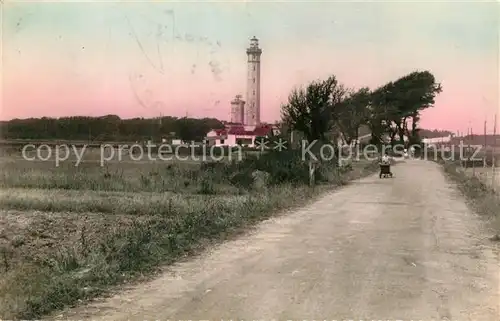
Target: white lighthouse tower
[{"x": 252, "y": 110}]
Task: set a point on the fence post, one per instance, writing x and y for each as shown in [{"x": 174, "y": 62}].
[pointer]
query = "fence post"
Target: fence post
[{"x": 312, "y": 170}]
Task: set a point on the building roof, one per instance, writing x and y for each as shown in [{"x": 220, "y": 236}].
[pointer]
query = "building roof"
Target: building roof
[{"x": 261, "y": 130}]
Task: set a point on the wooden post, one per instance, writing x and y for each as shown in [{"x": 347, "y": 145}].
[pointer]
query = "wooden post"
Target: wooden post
[{"x": 311, "y": 172}]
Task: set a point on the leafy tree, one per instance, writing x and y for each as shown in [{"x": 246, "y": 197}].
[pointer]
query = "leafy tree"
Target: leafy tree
[
  {"x": 379, "y": 112},
  {"x": 310, "y": 110},
  {"x": 352, "y": 113},
  {"x": 413, "y": 93},
  {"x": 189, "y": 129},
  {"x": 397, "y": 103}
]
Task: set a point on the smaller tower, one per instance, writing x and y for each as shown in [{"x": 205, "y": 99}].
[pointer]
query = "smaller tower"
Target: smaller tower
[{"x": 237, "y": 110}]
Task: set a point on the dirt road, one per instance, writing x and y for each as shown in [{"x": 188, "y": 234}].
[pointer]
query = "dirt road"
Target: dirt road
[{"x": 403, "y": 248}]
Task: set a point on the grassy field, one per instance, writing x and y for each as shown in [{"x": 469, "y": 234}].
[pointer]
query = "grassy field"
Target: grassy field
[
  {"x": 486, "y": 175},
  {"x": 68, "y": 233},
  {"x": 481, "y": 188}
]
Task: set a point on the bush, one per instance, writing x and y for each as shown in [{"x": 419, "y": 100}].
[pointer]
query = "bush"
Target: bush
[
  {"x": 283, "y": 167},
  {"x": 242, "y": 178}
]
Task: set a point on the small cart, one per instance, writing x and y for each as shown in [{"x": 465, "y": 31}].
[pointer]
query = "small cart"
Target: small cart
[{"x": 385, "y": 170}]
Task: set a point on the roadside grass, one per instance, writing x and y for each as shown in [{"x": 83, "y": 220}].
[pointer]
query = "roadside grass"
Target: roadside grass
[
  {"x": 60, "y": 244},
  {"x": 481, "y": 196},
  {"x": 120, "y": 203},
  {"x": 120, "y": 177},
  {"x": 37, "y": 284}
]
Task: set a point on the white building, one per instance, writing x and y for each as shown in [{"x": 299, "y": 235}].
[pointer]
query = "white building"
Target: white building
[
  {"x": 239, "y": 135},
  {"x": 437, "y": 140},
  {"x": 252, "y": 108},
  {"x": 176, "y": 141}
]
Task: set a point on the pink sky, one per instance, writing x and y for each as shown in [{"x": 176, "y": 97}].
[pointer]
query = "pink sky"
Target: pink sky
[{"x": 77, "y": 60}]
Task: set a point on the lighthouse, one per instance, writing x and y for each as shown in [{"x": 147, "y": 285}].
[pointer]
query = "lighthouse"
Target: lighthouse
[{"x": 252, "y": 108}]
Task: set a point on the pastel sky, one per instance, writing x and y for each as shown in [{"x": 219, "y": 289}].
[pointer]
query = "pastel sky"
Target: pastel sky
[{"x": 141, "y": 59}]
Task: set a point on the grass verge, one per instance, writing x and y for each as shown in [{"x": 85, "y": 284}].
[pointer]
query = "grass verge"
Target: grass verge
[
  {"x": 481, "y": 196},
  {"x": 35, "y": 283}
]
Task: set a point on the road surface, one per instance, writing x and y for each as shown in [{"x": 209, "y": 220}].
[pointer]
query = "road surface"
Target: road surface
[{"x": 405, "y": 248}]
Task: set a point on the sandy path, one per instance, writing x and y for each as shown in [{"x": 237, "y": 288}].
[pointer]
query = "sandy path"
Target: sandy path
[{"x": 363, "y": 252}]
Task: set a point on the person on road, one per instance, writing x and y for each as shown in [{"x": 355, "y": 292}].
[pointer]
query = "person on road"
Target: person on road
[
  {"x": 412, "y": 151},
  {"x": 385, "y": 165},
  {"x": 386, "y": 159}
]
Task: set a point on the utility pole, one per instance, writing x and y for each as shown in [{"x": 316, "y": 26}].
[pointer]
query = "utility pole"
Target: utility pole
[
  {"x": 485, "y": 145},
  {"x": 493, "y": 165},
  {"x": 468, "y": 147},
  {"x": 461, "y": 149},
  {"x": 473, "y": 164}
]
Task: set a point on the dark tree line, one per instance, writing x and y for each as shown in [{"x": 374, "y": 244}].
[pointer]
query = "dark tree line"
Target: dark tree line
[
  {"x": 108, "y": 128},
  {"x": 426, "y": 133}
]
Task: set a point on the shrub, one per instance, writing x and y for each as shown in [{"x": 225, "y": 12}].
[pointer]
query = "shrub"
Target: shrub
[{"x": 283, "y": 167}]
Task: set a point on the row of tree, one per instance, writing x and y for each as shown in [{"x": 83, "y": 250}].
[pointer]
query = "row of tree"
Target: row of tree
[
  {"x": 426, "y": 133},
  {"x": 108, "y": 128},
  {"x": 325, "y": 110}
]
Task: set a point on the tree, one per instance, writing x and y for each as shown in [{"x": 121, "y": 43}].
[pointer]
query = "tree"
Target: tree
[
  {"x": 311, "y": 110},
  {"x": 380, "y": 111},
  {"x": 106, "y": 128},
  {"x": 352, "y": 113},
  {"x": 401, "y": 101},
  {"x": 421, "y": 94},
  {"x": 187, "y": 129}
]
